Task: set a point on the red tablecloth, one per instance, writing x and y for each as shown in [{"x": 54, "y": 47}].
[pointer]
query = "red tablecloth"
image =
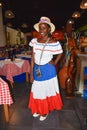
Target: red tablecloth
[
  {"x": 5, "y": 95},
  {"x": 11, "y": 69}
]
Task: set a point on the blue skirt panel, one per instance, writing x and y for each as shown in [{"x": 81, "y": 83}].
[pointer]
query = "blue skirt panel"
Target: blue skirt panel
[{"x": 48, "y": 71}]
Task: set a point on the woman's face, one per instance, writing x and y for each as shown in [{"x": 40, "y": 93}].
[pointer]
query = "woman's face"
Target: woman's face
[{"x": 44, "y": 29}]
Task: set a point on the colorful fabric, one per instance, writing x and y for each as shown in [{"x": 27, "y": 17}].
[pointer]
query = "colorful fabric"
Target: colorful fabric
[{"x": 45, "y": 96}]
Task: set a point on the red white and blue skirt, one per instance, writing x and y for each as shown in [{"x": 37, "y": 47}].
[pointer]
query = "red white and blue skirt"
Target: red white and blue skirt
[{"x": 45, "y": 95}]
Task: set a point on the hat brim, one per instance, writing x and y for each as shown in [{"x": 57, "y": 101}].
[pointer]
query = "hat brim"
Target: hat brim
[{"x": 36, "y": 27}]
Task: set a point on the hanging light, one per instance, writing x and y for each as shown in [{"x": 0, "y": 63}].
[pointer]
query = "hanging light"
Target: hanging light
[
  {"x": 83, "y": 4},
  {"x": 9, "y": 14},
  {"x": 0, "y": 4},
  {"x": 70, "y": 21},
  {"x": 76, "y": 14},
  {"x": 24, "y": 25},
  {"x": 9, "y": 24}
]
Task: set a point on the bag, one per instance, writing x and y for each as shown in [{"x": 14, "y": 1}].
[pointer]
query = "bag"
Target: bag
[{"x": 38, "y": 73}]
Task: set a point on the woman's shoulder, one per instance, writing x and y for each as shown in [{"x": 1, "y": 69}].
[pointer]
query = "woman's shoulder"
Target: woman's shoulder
[{"x": 52, "y": 40}]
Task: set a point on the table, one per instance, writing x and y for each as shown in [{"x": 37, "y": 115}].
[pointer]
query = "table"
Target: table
[
  {"x": 5, "y": 97},
  {"x": 10, "y": 68},
  {"x": 24, "y": 56}
]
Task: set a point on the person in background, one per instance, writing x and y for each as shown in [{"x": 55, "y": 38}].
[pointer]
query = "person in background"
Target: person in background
[{"x": 45, "y": 95}]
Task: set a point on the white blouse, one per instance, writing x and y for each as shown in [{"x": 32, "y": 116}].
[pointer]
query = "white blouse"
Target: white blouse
[{"x": 48, "y": 52}]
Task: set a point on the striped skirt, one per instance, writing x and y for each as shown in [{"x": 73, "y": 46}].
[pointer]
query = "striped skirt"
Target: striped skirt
[{"x": 45, "y": 95}]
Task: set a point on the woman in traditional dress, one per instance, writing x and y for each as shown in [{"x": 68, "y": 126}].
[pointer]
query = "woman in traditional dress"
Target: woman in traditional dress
[{"x": 45, "y": 95}]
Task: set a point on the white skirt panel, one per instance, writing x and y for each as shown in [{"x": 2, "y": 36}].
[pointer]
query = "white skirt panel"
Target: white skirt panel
[{"x": 47, "y": 88}]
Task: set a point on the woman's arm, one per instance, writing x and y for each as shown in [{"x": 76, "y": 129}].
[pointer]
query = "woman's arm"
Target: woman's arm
[
  {"x": 32, "y": 66},
  {"x": 58, "y": 58}
]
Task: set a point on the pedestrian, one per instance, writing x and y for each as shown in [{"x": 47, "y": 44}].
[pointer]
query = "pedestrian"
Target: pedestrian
[{"x": 45, "y": 95}]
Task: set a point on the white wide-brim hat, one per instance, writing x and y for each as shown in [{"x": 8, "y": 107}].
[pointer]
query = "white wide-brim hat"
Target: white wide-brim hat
[{"x": 44, "y": 20}]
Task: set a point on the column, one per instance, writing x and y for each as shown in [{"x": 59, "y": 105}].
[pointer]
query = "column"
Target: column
[{"x": 2, "y": 30}]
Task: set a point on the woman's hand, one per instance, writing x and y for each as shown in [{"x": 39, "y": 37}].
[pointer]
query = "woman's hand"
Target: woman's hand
[
  {"x": 31, "y": 78},
  {"x": 52, "y": 62}
]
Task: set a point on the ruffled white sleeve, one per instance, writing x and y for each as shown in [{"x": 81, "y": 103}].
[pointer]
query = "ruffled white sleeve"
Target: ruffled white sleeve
[
  {"x": 32, "y": 42},
  {"x": 56, "y": 48}
]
